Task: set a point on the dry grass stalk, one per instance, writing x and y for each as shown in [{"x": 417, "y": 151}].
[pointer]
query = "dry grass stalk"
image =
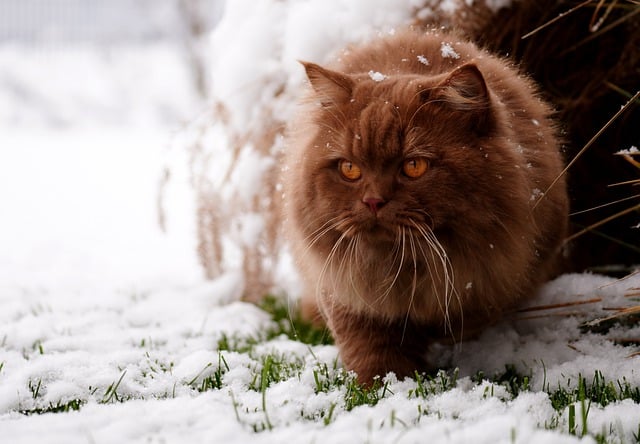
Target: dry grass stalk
[
  {"x": 559, "y": 305},
  {"x": 622, "y": 279},
  {"x": 220, "y": 209},
  {"x": 558, "y": 17},
  {"x": 601, "y": 222},
  {"x": 629, "y": 158},
  {"x": 559, "y": 314},
  {"x": 628, "y": 311},
  {"x": 591, "y": 141}
]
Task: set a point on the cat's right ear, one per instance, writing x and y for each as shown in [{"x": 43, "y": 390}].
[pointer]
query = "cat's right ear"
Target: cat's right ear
[
  {"x": 465, "y": 89},
  {"x": 331, "y": 87}
]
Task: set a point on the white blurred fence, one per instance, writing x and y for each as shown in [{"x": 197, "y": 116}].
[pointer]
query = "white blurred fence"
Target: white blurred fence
[
  {"x": 56, "y": 22},
  {"x": 69, "y": 62}
]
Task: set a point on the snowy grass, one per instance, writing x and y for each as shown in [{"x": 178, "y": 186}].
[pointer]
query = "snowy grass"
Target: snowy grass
[
  {"x": 573, "y": 400},
  {"x": 286, "y": 373}
]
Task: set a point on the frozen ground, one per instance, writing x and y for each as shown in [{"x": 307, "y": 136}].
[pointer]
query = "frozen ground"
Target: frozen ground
[{"x": 100, "y": 308}]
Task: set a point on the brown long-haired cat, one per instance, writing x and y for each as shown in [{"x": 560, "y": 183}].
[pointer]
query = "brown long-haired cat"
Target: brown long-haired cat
[{"x": 418, "y": 198}]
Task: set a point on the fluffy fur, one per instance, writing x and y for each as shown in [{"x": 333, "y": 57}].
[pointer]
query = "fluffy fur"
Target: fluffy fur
[{"x": 393, "y": 262}]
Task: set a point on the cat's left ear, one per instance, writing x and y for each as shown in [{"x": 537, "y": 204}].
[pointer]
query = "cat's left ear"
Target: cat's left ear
[
  {"x": 464, "y": 89},
  {"x": 332, "y": 87}
]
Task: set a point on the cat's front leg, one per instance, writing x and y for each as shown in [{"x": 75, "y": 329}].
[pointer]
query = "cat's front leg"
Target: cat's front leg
[{"x": 372, "y": 346}]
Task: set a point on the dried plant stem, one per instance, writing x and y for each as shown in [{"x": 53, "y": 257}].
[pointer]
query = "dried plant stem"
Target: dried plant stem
[
  {"x": 601, "y": 31},
  {"x": 622, "y": 279},
  {"x": 557, "y": 314},
  {"x": 590, "y": 142},
  {"x": 627, "y": 182},
  {"x": 619, "y": 90},
  {"x": 605, "y": 205},
  {"x": 596, "y": 23},
  {"x": 624, "y": 312},
  {"x": 602, "y": 222},
  {"x": 633, "y": 162},
  {"x": 559, "y": 305},
  {"x": 552, "y": 21}
]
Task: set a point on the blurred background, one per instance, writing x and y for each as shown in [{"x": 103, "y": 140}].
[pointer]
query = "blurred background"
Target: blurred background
[
  {"x": 72, "y": 62},
  {"x": 91, "y": 94}
]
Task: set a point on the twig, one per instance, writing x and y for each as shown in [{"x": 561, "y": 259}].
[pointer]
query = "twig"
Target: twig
[
  {"x": 605, "y": 205},
  {"x": 600, "y": 32},
  {"x": 628, "y": 182},
  {"x": 602, "y": 222},
  {"x": 561, "y": 314},
  {"x": 589, "y": 143},
  {"x": 622, "y": 279},
  {"x": 595, "y": 24},
  {"x": 552, "y": 21},
  {"x": 624, "y": 312},
  {"x": 559, "y": 305}
]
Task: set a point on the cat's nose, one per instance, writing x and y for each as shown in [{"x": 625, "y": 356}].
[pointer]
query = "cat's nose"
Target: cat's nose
[{"x": 374, "y": 204}]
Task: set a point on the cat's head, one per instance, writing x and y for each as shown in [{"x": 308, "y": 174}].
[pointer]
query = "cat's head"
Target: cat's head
[{"x": 401, "y": 154}]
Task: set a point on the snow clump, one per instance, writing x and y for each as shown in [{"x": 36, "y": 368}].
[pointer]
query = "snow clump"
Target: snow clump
[
  {"x": 377, "y": 76},
  {"x": 447, "y": 51}
]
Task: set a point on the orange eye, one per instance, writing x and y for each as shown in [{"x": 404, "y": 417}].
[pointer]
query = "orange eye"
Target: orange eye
[
  {"x": 415, "y": 167},
  {"x": 349, "y": 170}
]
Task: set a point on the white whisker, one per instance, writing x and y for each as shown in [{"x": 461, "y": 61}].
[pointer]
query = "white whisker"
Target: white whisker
[
  {"x": 414, "y": 283},
  {"x": 399, "y": 249},
  {"x": 439, "y": 256},
  {"x": 316, "y": 235},
  {"x": 328, "y": 261}
]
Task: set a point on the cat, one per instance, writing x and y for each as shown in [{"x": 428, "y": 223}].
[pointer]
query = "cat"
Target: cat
[{"x": 417, "y": 196}]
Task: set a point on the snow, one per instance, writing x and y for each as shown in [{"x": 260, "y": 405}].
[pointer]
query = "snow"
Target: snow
[
  {"x": 94, "y": 294},
  {"x": 535, "y": 194},
  {"x": 422, "y": 59},
  {"x": 630, "y": 151},
  {"x": 377, "y": 76},
  {"x": 447, "y": 51}
]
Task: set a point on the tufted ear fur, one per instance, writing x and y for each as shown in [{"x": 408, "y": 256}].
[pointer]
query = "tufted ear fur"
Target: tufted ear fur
[
  {"x": 465, "y": 89},
  {"x": 332, "y": 87},
  {"x": 465, "y": 92}
]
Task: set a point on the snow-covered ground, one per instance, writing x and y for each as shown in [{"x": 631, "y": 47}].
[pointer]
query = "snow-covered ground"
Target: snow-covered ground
[{"x": 99, "y": 305}]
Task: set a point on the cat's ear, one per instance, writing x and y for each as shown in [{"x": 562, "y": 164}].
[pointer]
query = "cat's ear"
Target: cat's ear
[
  {"x": 332, "y": 87},
  {"x": 465, "y": 92},
  {"x": 464, "y": 89}
]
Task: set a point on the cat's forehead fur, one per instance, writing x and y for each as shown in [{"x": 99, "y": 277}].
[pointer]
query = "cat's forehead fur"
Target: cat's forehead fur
[
  {"x": 380, "y": 116},
  {"x": 382, "y": 119},
  {"x": 376, "y": 128}
]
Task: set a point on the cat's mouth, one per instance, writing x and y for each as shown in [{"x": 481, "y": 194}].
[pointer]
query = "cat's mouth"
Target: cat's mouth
[
  {"x": 387, "y": 228},
  {"x": 376, "y": 231}
]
